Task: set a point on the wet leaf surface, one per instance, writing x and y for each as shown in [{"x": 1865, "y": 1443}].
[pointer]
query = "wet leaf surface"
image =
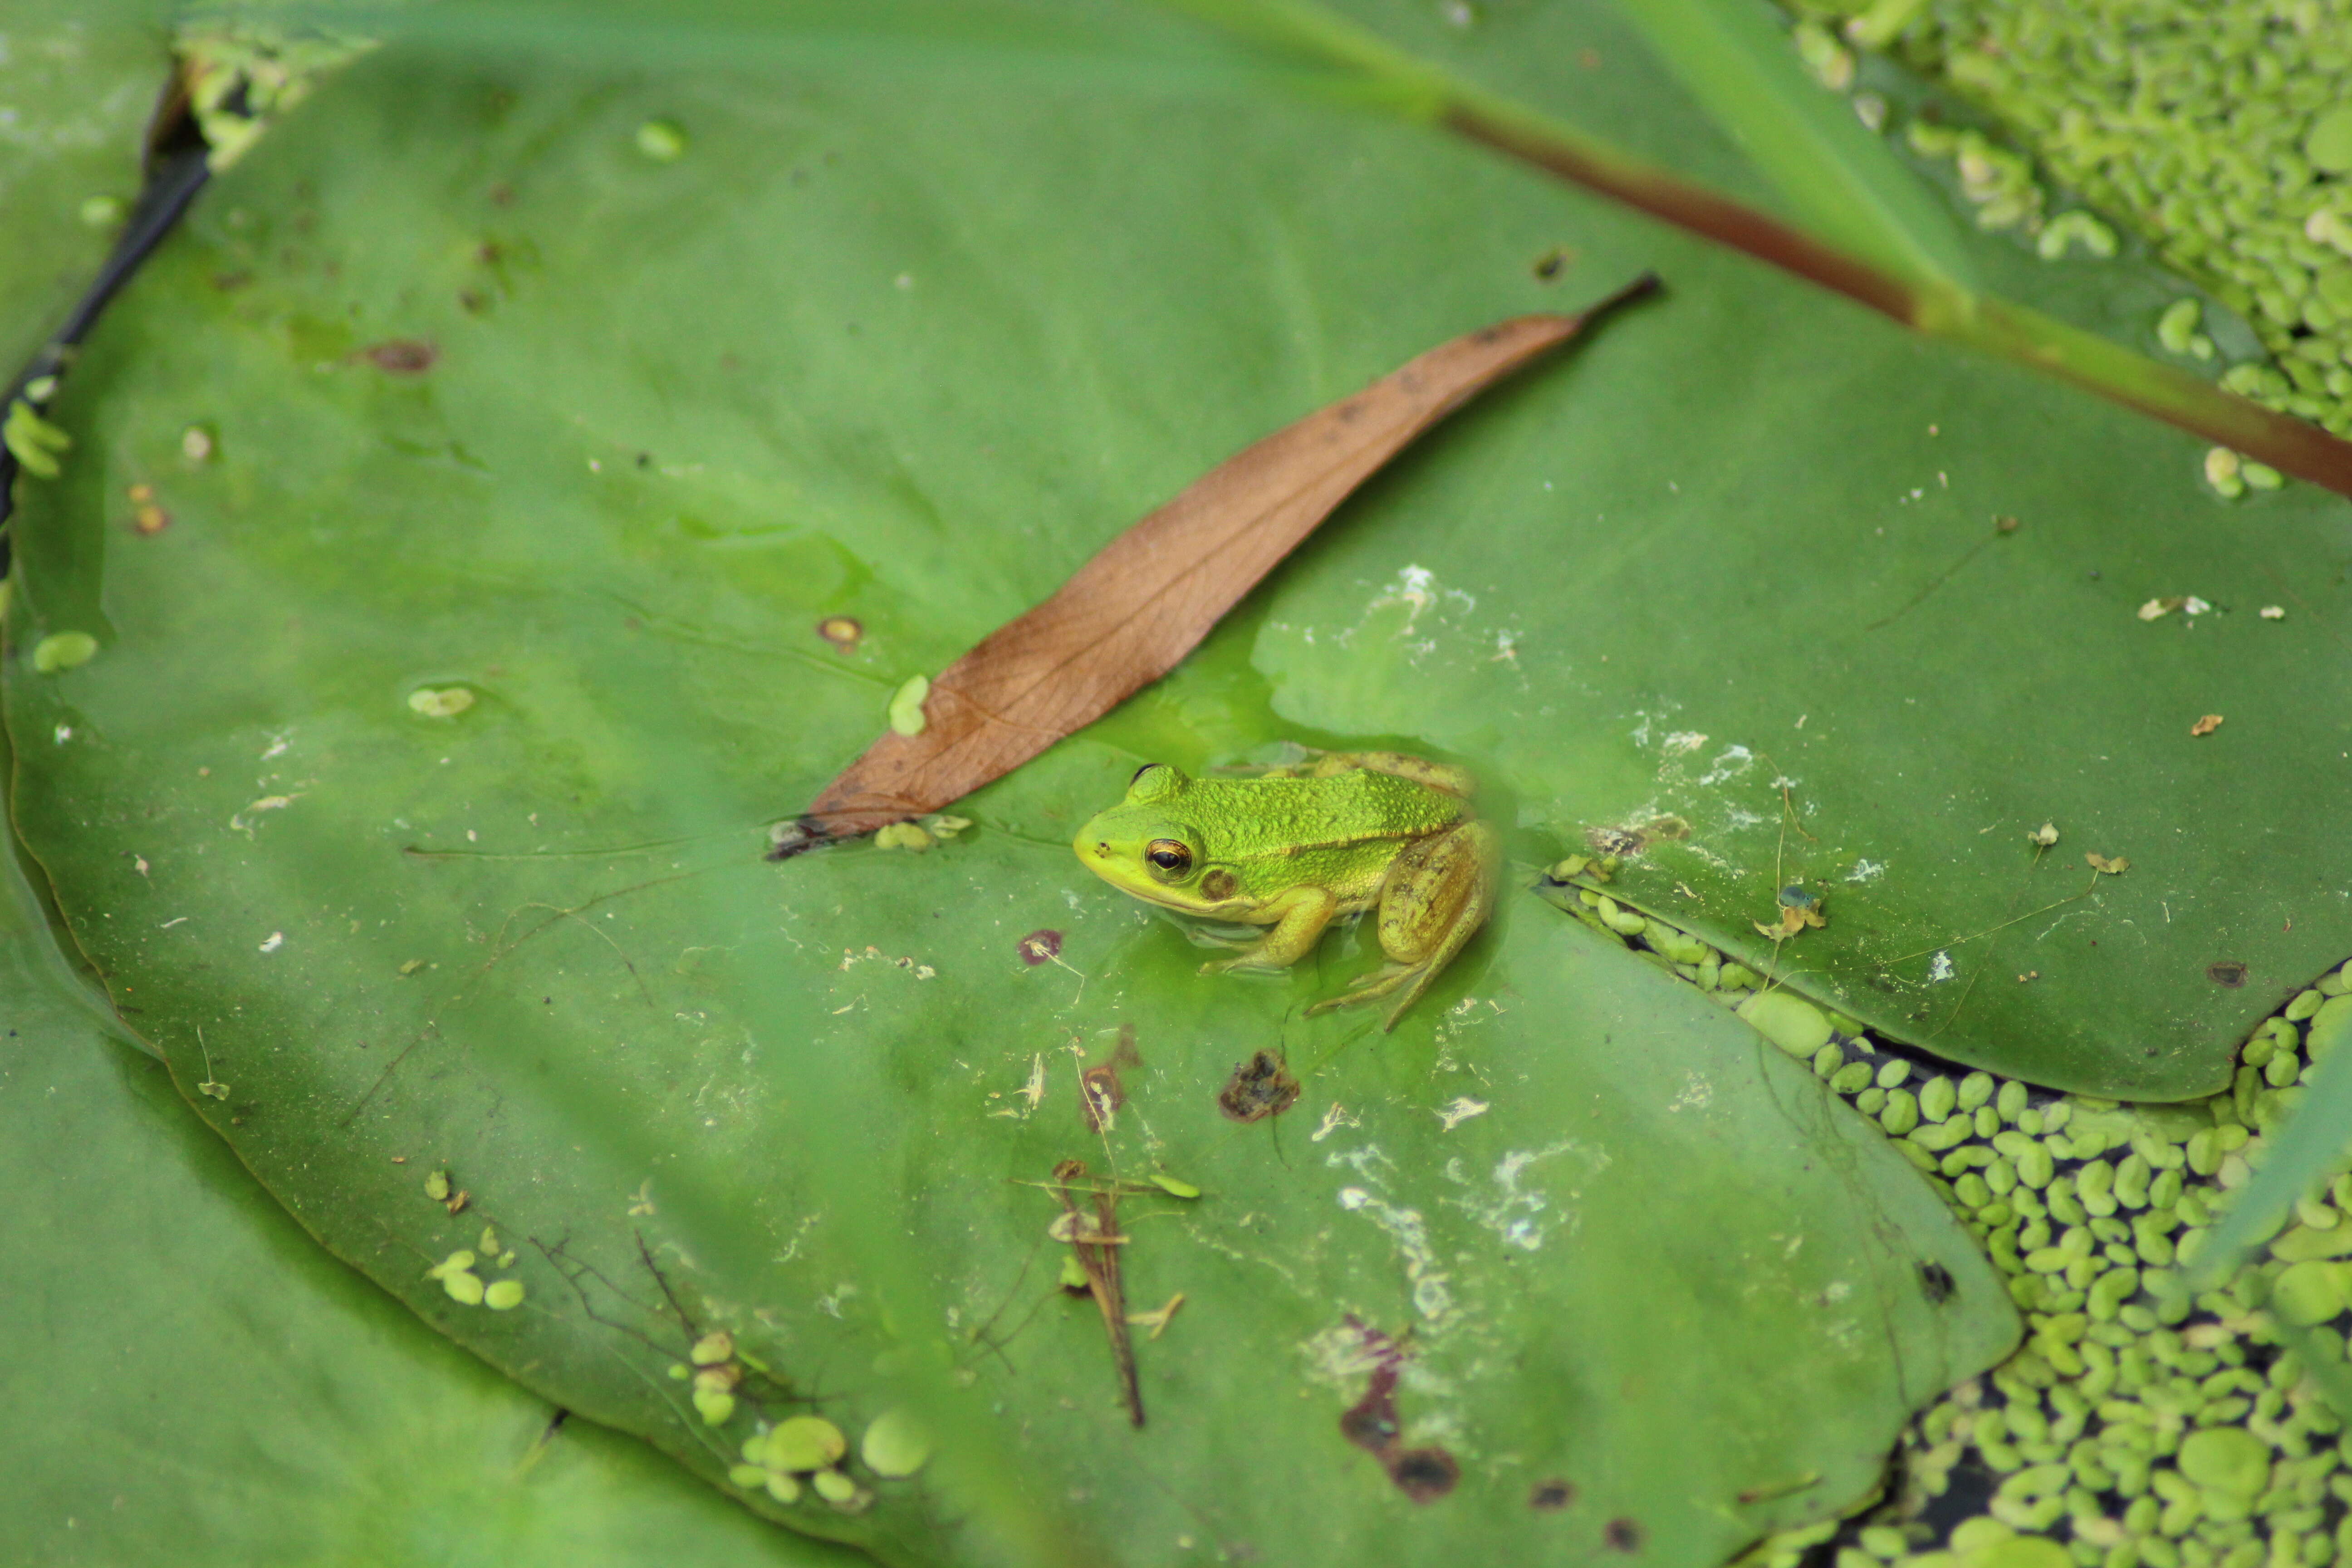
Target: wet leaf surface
[
  {"x": 691, "y": 1090},
  {"x": 1127, "y": 616},
  {"x": 528, "y": 939},
  {"x": 78, "y": 95},
  {"x": 202, "y": 1384}
]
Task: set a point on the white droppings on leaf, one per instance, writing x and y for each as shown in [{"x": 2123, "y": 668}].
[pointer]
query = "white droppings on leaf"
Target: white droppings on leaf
[
  {"x": 1333, "y": 1118},
  {"x": 1432, "y": 1296},
  {"x": 1867, "y": 871},
  {"x": 1523, "y": 1215},
  {"x": 1730, "y": 764},
  {"x": 1459, "y": 1111},
  {"x": 1939, "y": 968},
  {"x": 1362, "y": 1161},
  {"x": 1413, "y": 589},
  {"x": 1681, "y": 743},
  {"x": 275, "y": 941}
]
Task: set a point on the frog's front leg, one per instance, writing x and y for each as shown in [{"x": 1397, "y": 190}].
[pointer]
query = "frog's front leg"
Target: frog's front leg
[
  {"x": 1300, "y": 915},
  {"x": 1438, "y": 892}
]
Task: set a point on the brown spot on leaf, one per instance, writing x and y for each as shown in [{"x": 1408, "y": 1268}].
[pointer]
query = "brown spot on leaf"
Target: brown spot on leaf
[
  {"x": 1261, "y": 1087},
  {"x": 1623, "y": 1535},
  {"x": 1551, "y": 1496},
  {"x": 841, "y": 631},
  {"x": 1040, "y": 946},
  {"x": 402, "y": 356},
  {"x": 1100, "y": 1095},
  {"x": 1424, "y": 1475},
  {"x": 1371, "y": 1424},
  {"x": 1936, "y": 1283},
  {"x": 1632, "y": 837},
  {"x": 2207, "y": 725},
  {"x": 2228, "y": 973}
]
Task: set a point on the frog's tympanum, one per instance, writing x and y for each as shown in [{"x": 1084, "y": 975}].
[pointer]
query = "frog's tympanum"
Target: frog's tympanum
[{"x": 1299, "y": 847}]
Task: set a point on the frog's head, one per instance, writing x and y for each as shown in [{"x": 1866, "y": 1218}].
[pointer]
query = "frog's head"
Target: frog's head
[{"x": 1143, "y": 845}]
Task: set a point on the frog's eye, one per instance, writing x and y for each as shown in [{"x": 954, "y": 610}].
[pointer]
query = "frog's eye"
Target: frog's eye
[{"x": 1169, "y": 855}]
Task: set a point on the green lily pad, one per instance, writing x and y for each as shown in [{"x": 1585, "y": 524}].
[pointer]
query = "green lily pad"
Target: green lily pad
[
  {"x": 505, "y": 411},
  {"x": 695, "y": 1089},
  {"x": 78, "y": 94},
  {"x": 1787, "y": 555},
  {"x": 204, "y": 1386}
]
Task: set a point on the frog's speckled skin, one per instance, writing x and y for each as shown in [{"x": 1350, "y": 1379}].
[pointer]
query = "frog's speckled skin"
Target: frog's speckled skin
[{"x": 1300, "y": 848}]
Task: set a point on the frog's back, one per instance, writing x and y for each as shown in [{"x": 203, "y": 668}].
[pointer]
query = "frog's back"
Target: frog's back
[{"x": 1306, "y": 819}]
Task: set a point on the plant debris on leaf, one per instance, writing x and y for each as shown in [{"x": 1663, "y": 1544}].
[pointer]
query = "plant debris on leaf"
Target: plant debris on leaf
[{"x": 1127, "y": 616}]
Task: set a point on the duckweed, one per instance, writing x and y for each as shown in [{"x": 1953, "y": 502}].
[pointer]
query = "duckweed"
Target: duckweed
[
  {"x": 805, "y": 1443},
  {"x": 2218, "y": 131},
  {"x": 2136, "y": 1427},
  {"x": 662, "y": 141},
  {"x": 1789, "y": 1021},
  {"x": 64, "y": 650},
  {"x": 907, "y": 716},
  {"x": 896, "y": 1445}
]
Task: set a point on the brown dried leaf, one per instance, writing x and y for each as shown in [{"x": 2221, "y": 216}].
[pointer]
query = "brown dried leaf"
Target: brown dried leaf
[
  {"x": 2207, "y": 725},
  {"x": 1144, "y": 602},
  {"x": 2104, "y": 866}
]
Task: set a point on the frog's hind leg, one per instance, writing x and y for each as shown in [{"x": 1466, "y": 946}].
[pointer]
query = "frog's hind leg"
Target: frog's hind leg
[{"x": 1437, "y": 894}]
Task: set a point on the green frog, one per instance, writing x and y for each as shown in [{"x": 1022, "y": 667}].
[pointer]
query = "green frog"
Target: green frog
[{"x": 1297, "y": 848}]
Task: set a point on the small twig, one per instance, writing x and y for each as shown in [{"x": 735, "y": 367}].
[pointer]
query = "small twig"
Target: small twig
[{"x": 1099, "y": 1259}]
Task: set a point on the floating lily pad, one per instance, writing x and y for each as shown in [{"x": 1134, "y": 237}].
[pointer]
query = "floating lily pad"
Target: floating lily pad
[{"x": 1594, "y": 1229}]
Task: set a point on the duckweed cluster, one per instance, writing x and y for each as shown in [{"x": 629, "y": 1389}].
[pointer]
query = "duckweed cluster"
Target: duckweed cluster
[
  {"x": 460, "y": 1273},
  {"x": 2221, "y": 131},
  {"x": 810, "y": 1454},
  {"x": 2138, "y": 1425}
]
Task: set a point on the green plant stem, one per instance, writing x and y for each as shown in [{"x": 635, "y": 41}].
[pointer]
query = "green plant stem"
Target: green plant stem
[{"x": 1376, "y": 75}]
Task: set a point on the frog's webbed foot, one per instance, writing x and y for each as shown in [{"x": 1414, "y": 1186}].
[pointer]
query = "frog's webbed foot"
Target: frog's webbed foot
[
  {"x": 1222, "y": 936},
  {"x": 1301, "y": 915}
]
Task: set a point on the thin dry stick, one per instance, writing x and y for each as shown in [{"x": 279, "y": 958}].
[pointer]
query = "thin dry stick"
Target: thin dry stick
[{"x": 1095, "y": 1241}]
